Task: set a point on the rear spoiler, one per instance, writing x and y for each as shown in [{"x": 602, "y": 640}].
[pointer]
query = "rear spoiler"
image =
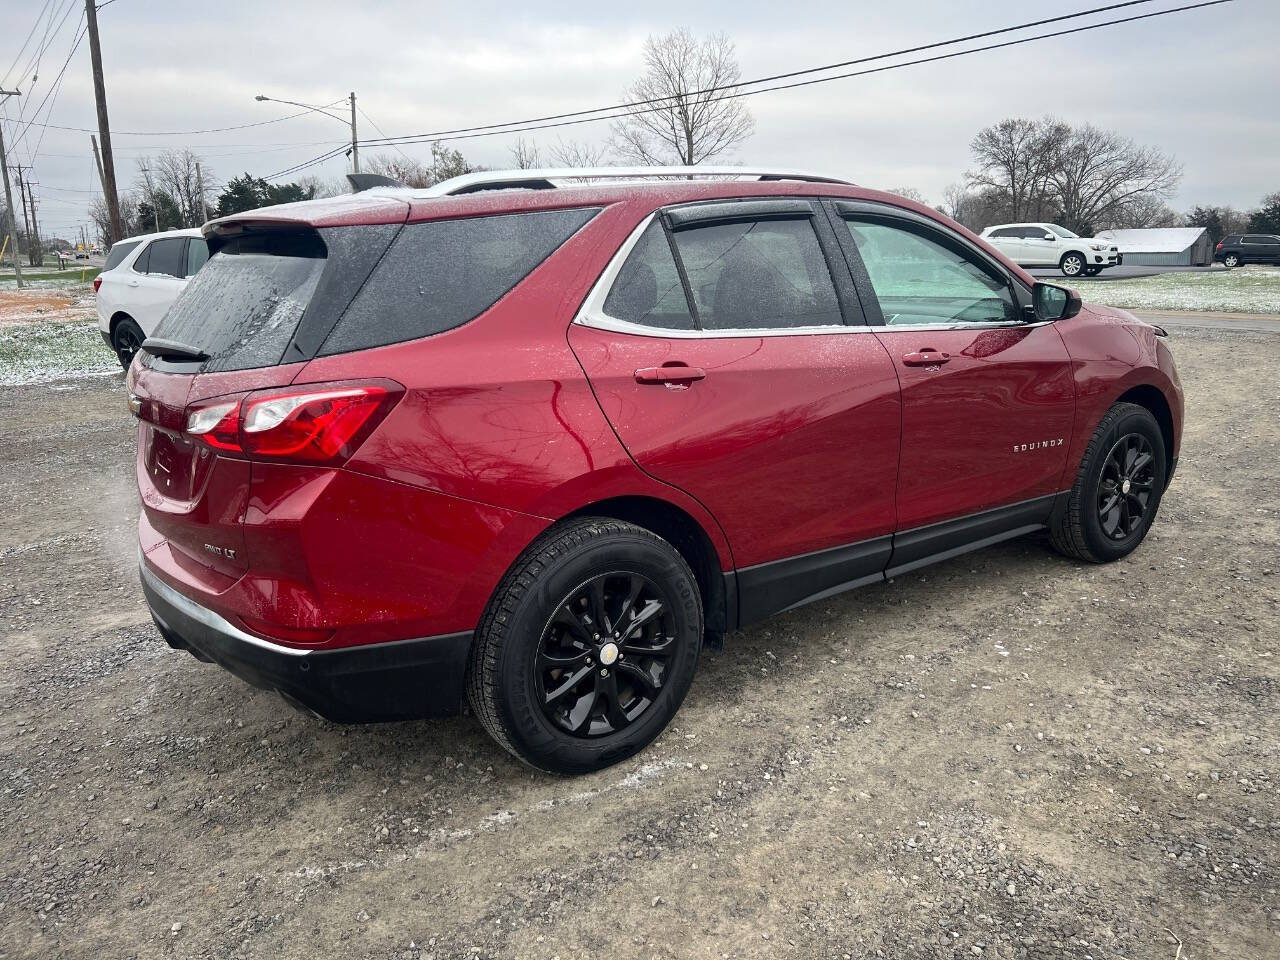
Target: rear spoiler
[{"x": 361, "y": 182}]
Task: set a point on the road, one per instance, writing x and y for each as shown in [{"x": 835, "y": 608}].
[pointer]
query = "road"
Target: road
[
  {"x": 1238, "y": 322},
  {"x": 1126, "y": 272}
]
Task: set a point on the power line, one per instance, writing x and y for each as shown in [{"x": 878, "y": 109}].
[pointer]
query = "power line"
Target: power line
[
  {"x": 625, "y": 111},
  {"x": 486, "y": 132},
  {"x": 23, "y": 49},
  {"x": 440, "y": 134},
  {"x": 184, "y": 133}
]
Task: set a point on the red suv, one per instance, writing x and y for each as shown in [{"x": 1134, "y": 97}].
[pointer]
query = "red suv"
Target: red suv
[{"x": 526, "y": 442}]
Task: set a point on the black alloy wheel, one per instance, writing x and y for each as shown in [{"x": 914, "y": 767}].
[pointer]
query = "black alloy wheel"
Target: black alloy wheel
[
  {"x": 588, "y": 645},
  {"x": 1127, "y": 486},
  {"x": 127, "y": 340},
  {"x": 602, "y": 660},
  {"x": 1117, "y": 490}
]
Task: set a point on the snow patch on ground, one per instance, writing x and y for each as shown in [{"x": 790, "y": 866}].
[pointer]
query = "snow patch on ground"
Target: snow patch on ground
[{"x": 1253, "y": 289}]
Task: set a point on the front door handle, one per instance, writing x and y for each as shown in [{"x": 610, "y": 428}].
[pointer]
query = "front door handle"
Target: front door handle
[
  {"x": 670, "y": 373},
  {"x": 926, "y": 357}
]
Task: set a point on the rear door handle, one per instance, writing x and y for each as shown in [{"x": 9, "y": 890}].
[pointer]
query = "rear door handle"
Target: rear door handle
[
  {"x": 675, "y": 373},
  {"x": 928, "y": 357}
]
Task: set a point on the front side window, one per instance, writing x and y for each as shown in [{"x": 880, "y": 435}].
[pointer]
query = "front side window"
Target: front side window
[
  {"x": 648, "y": 290},
  {"x": 758, "y": 274},
  {"x": 1063, "y": 232},
  {"x": 919, "y": 280}
]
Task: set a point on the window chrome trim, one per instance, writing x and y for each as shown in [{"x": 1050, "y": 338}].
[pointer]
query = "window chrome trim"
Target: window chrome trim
[{"x": 591, "y": 313}]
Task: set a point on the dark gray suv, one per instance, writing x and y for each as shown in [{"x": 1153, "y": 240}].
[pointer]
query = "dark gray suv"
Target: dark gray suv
[{"x": 1241, "y": 248}]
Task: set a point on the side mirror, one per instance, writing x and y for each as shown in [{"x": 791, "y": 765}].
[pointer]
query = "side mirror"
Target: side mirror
[
  {"x": 1054, "y": 303},
  {"x": 1049, "y": 236}
]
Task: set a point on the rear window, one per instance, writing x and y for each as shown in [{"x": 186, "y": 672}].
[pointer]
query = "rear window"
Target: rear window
[
  {"x": 439, "y": 274},
  {"x": 118, "y": 253},
  {"x": 244, "y": 305}
]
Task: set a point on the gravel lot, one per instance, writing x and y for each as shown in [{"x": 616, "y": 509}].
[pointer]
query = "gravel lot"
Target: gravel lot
[{"x": 1009, "y": 755}]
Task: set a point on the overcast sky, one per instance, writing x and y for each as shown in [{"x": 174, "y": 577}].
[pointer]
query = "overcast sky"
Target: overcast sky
[{"x": 1201, "y": 85}]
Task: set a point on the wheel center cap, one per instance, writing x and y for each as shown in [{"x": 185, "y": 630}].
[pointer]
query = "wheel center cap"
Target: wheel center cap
[
  {"x": 1124, "y": 487},
  {"x": 609, "y": 654}
]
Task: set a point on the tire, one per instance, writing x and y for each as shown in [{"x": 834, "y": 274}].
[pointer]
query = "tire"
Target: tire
[
  {"x": 1231, "y": 261},
  {"x": 126, "y": 338},
  {"x": 1072, "y": 264},
  {"x": 1084, "y": 530},
  {"x": 546, "y": 607}
]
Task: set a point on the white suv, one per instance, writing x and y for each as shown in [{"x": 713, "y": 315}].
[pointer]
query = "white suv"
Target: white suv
[
  {"x": 142, "y": 277},
  {"x": 1049, "y": 245}
]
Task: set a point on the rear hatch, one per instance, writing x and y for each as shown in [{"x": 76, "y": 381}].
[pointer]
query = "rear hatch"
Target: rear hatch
[{"x": 248, "y": 321}]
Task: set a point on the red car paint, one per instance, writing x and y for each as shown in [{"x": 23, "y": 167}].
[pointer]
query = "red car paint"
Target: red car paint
[{"x": 788, "y": 445}]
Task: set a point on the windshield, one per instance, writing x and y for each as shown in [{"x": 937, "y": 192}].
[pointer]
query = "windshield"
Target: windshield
[{"x": 1063, "y": 232}]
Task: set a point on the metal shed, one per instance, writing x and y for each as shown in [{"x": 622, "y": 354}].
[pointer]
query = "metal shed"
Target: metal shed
[{"x": 1162, "y": 246}]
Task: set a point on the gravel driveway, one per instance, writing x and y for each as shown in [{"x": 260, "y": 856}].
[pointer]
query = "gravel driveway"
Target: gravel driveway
[{"x": 1008, "y": 755}]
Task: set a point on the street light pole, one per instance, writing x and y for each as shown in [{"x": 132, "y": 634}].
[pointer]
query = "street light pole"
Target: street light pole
[
  {"x": 355, "y": 141},
  {"x": 8, "y": 196}
]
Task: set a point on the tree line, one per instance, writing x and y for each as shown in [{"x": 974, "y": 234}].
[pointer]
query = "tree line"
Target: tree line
[{"x": 1084, "y": 178}]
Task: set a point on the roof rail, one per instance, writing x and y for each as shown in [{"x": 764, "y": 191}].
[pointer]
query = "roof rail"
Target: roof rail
[{"x": 553, "y": 177}]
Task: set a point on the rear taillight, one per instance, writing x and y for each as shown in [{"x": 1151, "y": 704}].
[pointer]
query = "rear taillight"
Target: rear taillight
[
  {"x": 1219, "y": 246},
  {"x": 97, "y": 282},
  {"x": 312, "y": 423}
]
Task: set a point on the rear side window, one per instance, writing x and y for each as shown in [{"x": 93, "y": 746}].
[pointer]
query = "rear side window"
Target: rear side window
[
  {"x": 197, "y": 255},
  {"x": 167, "y": 257},
  {"x": 758, "y": 274},
  {"x": 648, "y": 289},
  {"x": 439, "y": 274},
  {"x": 140, "y": 265},
  {"x": 1007, "y": 233},
  {"x": 243, "y": 307},
  {"x": 118, "y": 253}
]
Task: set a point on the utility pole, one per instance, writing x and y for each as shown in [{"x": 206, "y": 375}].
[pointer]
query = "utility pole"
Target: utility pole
[
  {"x": 97, "y": 161},
  {"x": 26, "y": 221},
  {"x": 8, "y": 194},
  {"x": 104, "y": 131},
  {"x": 200, "y": 216},
  {"x": 355, "y": 143},
  {"x": 37, "y": 253}
]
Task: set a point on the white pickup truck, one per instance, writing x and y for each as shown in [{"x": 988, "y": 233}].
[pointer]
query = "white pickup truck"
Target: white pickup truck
[{"x": 1049, "y": 245}]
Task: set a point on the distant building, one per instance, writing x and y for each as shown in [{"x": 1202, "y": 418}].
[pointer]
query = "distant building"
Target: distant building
[{"x": 1162, "y": 246}]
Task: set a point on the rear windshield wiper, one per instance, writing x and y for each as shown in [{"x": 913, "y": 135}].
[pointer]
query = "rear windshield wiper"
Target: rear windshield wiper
[{"x": 173, "y": 350}]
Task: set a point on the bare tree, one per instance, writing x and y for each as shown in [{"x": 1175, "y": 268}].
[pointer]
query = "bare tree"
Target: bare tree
[
  {"x": 907, "y": 193},
  {"x": 1100, "y": 178},
  {"x": 318, "y": 187},
  {"x": 445, "y": 164},
  {"x": 524, "y": 154},
  {"x": 684, "y": 117},
  {"x": 175, "y": 174},
  {"x": 576, "y": 153},
  {"x": 1015, "y": 159}
]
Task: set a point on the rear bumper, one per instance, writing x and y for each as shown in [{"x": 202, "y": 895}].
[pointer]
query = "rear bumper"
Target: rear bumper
[{"x": 399, "y": 680}]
